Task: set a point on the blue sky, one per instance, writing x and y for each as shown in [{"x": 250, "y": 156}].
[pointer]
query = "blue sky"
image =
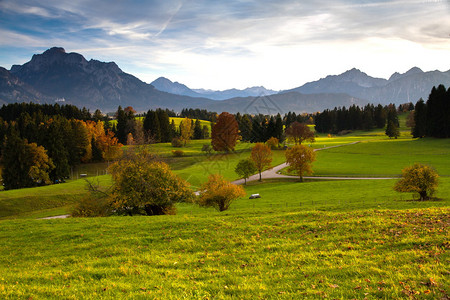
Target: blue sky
[{"x": 238, "y": 43}]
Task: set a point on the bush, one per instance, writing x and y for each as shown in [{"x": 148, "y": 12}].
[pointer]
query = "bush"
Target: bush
[
  {"x": 177, "y": 153},
  {"x": 93, "y": 204},
  {"x": 219, "y": 193},
  {"x": 177, "y": 142},
  {"x": 273, "y": 143},
  {"x": 419, "y": 179}
]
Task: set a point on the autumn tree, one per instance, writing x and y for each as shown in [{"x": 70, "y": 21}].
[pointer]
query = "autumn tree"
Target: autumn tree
[
  {"x": 299, "y": 132},
  {"x": 261, "y": 155},
  {"x": 273, "y": 143},
  {"x": 245, "y": 168},
  {"x": 299, "y": 158},
  {"x": 418, "y": 178},
  {"x": 219, "y": 193},
  {"x": 24, "y": 164},
  {"x": 186, "y": 130},
  {"x": 225, "y": 133},
  {"x": 144, "y": 185}
]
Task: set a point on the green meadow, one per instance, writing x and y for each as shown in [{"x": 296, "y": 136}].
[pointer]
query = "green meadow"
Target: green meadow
[{"x": 337, "y": 239}]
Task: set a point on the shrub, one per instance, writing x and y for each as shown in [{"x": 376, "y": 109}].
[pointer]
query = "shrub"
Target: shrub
[
  {"x": 219, "y": 193},
  {"x": 419, "y": 179},
  {"x": 177, "y": 142},
  {"x": 93, "y": 204},
  {"x": 177, "y": 153},
  {"x": 273, "y": 143}
]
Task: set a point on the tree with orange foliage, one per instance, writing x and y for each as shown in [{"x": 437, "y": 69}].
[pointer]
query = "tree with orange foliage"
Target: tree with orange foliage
[
  {"x": 261, "y": 156},
  {"x": 225, "y": 133},
  {"x": 219, "y": 193},
  {"x": 299, "y": 159},
  {"x": 299, "y": 132}
]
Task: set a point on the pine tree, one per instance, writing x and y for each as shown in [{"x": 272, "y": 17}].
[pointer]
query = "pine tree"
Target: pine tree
[{"x": 420, "y": 119}]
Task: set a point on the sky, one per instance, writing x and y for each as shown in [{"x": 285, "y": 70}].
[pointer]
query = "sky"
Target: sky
[{"x": 218, "y": 44}]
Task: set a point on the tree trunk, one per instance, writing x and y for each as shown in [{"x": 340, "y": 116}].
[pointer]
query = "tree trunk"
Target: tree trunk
[
  {"x": 423, "y": 195},
  {"x": 301, "y": 178},
  {"x": 260, "y": 179},
  {"x": 245, "y": 180}
]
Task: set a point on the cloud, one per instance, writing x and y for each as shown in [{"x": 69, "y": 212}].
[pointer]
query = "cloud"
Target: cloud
[{"x": 197, "y": 38}]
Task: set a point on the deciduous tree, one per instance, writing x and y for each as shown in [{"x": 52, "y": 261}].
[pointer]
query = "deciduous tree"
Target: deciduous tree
[
  {"x": 142, "y": 184},
  {"x": 245, "y": 168},
  {"x": 418, "y": 178},
  {"x": 299, "y": 158},
  {"x": 262, "y": 157},
  {"x": 299, "y": 132},
  {"x": 219, "y": 193},
  {"x": 186, "y": 130},
  {"x": 225, "y": 133}
]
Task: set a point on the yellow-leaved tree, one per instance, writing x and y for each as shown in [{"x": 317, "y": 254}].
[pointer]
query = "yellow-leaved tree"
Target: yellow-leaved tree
[
  {"x": 299, "y": 158},
  {"x": 186, "y": 130},
  {"x": 418, "y": 178},
  {"x": 141, "y": 184},
  {"x": 219, "y": 193},
  {"x": 262, "y": 157}
]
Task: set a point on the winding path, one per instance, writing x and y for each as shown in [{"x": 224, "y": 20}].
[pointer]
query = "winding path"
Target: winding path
[{"x": 274, "y": 172}]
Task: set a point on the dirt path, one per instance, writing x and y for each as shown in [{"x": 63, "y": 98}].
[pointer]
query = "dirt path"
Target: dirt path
[{"x": 274, "y": 172}]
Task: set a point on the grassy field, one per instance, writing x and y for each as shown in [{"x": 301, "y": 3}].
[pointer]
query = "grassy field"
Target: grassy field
[
  {"x": 282, "y": 254},
  {"x": 347, "y": 239}
]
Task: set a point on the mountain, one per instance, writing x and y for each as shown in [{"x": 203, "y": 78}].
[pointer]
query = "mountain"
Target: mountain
[
  {"x": 283, "y": 103},
  {"x": 94, "y": 84},
  {"x": 12, "y": 89},
  {"x": 59, "y": 76},
  {"x": 400, "y": 88},
  {"x": 165, "y": 85}
]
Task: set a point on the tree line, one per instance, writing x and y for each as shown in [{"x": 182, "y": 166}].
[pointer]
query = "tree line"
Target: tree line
[
  {"x": 41, "y": 144},
  {"x": 432, "y": 118}
]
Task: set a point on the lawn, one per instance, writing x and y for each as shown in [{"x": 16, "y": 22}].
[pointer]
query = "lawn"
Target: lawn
[
  {"x": 343, "y": 239},
  {"x": 384, "y": 157},
  {"x": 282, "y": 254}
]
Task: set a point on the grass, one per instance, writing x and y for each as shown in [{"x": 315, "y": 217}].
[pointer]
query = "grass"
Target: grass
[
  {"x": 345, "y": 239},
  {"x": 282, "y": 254},
  {"x": 384, "y": 157},
  {"x": 44, "y": 201}
]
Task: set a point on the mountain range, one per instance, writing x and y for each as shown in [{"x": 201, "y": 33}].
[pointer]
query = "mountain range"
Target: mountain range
[{"x": 69, "y": 78}]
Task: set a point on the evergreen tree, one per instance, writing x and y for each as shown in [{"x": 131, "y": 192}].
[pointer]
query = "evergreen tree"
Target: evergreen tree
[
  {"x": 164, "y": 125},
  {"x": 121, "y": 125},
  {"x": 279, "y": 128},
  {"x": 420, "y": 119},
  {"x": 197, "y": 130},
  {"x": 245, "y": 128}
]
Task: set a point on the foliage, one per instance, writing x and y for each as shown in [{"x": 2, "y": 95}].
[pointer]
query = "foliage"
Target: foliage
[
  {"x": 261, "y": 155},
  {"x": 299, "y": 132},
  {"x": 392, "y": 128},
  {"x": 219, "y": 193},
  {"x": 142, "y": 184},
  {"x": 177, "y": 153},
  {"x": 24, "y": 164},
  {"x": 420, "y": 179},
  {"x": 186, "y": 130},
  {"x": 299, "y": 158},
  {"x": 225, "y": 133},
  {"x": 420, "y": 120},
  {"x": 92, "y": 205},
  {"x": 177, "y": 142},
  {"x": 438, "y": 113},
  {"x": 245, "y": 168},
  {"x": 206, "y": 148},
  {"x": 273, "y": 143}
]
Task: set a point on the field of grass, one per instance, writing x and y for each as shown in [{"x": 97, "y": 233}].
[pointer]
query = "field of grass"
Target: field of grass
[
  {"x": 384, "y": 157},
  {"x": 265, "y": 253},
  {"x": 347, "y": 239},
  {"x": 45, "y": 201}
]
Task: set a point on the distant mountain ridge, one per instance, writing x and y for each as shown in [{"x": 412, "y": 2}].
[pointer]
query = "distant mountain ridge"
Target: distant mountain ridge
[
  {"x": 59, "y": 76},
  {"x": 94, "y": 84},
  {"x": 399, "y": 88},
  {"x": 166, "y": 85}
]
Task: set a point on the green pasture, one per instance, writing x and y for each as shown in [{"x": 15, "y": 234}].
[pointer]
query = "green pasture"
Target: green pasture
[
  {"x": 268, "y": 253},
  {"x": 383, "y": 157}
]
